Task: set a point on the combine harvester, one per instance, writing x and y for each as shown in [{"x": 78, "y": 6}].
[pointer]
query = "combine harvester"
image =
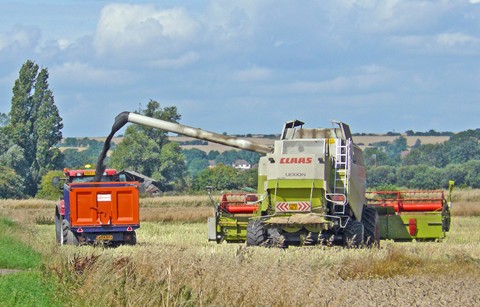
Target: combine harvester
[
  {"x": 408, "y": 215},
  {"x": 311, "y": 190}
]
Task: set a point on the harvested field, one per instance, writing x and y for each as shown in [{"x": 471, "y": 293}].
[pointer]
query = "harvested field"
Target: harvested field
[{"x": 174, "y": 264}]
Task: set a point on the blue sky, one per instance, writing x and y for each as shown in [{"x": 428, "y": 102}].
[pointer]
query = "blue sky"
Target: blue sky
[{"x": 248, "y": 66}]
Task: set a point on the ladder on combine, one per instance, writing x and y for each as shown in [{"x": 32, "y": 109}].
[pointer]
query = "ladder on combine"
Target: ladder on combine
[{"x": 342, "y": 174}]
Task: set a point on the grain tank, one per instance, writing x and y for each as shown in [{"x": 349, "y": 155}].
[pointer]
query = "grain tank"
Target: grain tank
[{"x": 311, "y": 188}]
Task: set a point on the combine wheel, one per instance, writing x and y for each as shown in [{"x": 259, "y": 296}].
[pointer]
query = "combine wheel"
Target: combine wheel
[
  {"x": 354, "y": 233},
  {"x": 372, "y": 228},
  {"x": 68, "y": 235},
  {"x": 256, "y": 233},
  {"x": 311, "y": 239},
  {"x": 275, "y": 238}
]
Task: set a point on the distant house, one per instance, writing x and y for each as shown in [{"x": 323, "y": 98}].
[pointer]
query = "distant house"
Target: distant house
[
  {"x": 211, "y": 163},
  {"x": 241, "y": 164}
]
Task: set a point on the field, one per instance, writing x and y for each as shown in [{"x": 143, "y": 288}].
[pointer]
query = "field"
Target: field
[
  {"x": 173, "y": 264},
  {"x": 362, "y": 141}
]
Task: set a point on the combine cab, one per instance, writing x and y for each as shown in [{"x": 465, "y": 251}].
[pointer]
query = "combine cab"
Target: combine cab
[{"x": 408, "y": 215}]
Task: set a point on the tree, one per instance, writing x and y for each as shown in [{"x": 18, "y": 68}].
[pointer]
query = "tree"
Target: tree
[
  {"x": 47, "y": 190},
  {"x": 221, "y": 177},
  {"x": 11, "y": 185},
  {"x": 148, "y": 150},
  {"x": 196, "y": 160},
  {"x": 35, "y": 124}
]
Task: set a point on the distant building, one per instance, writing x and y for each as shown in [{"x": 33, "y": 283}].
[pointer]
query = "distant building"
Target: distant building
[
  {"x": 241, "y": 164},
  {"x": 211, "y": 163}
]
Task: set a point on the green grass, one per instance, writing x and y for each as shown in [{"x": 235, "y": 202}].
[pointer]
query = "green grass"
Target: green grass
[
  {"x": 13, "y": 253},
  {"x": 27, "y": 287}
]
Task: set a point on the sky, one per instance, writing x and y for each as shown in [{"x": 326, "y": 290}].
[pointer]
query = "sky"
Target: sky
[{"x": 248, "y": 66}]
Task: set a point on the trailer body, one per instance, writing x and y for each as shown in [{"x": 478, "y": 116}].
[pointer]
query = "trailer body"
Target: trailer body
[{"x": 106, "y": 211}]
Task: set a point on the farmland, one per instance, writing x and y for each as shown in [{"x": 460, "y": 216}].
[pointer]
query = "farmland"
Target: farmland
[
  {"x": 173, "y": 263},
  {"x": 362, "y": 140}
]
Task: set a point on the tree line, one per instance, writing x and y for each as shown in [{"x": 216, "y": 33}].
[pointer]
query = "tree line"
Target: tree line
[
  {"x": 30, "y": 136},
  {"x": 428, "y": 166}
]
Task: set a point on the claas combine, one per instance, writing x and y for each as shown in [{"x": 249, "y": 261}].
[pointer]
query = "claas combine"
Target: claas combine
[{"x": 311, "y": 190}]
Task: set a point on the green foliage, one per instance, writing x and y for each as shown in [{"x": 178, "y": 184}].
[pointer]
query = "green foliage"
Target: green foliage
[
  {"x": 11, "y": 184},
  {"x": 196, "y": 160},
  {"x": 230, "y": 156},
  {"x": 381, "y": 175},
  {"x": 87, "y": 152},
  {"x": 27, "y": 288},
  {"x": 46, "y": 189},
  {"x": 149, "y": 152},
  {"x": 212, "y": 154},
  {"x": 223, "y": 177},
  {"x": 34, "y": 125},
  {"x": 13, "y": 253}
]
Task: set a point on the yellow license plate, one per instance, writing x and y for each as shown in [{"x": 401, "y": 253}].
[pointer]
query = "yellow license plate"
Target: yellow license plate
[
  {"x": 293, "y": 206},
  {"x": 104, "y": 237},
  {"x": 89, "y": 173}
]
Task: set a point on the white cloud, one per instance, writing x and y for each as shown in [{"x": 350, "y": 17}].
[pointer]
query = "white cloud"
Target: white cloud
[
  {"x": 22, "y": 37},
  {"x": 455, "y": 39},
  {"x": 252, "y": 74},
  {"x": 175, "y": 63},
  {"x": 370, "y": 77},
  {"x": 125, "y": 29},
  {"x": 85, "y": 74}
]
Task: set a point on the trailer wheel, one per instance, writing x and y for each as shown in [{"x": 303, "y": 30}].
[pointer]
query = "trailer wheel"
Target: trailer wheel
[
  {"x": 371, "y": 225},
  {"x": 69, "y": 237},
  {"x": 58, "y": 228},
  {"x": 354, "y": 233},
  {"x": 256, "y": 233},
  {"x": 132, "y": 240}
]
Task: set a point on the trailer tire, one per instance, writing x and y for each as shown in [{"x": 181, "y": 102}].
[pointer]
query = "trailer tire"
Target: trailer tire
[
  {"x": 133, "y": 240},
  {"x": 256, "y": 233},
  {"x": 69, "y": 237},
  {"x": 58, "y": 228},
  {"x": 353, "y": 235},
  {"x": 371, "y": 226}
]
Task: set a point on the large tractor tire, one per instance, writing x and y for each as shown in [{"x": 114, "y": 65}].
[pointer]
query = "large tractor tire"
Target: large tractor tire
[
  {"x": 371, "y": 225},
  {"x": 354, "y": 233},
  {"x": 69, "y": 237},
  {"x": 275, "y": 238},
  {"x": 58, "y": 228},
  {"x": 256, "y": 233},
  {"x": 311, "y": 239}
]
